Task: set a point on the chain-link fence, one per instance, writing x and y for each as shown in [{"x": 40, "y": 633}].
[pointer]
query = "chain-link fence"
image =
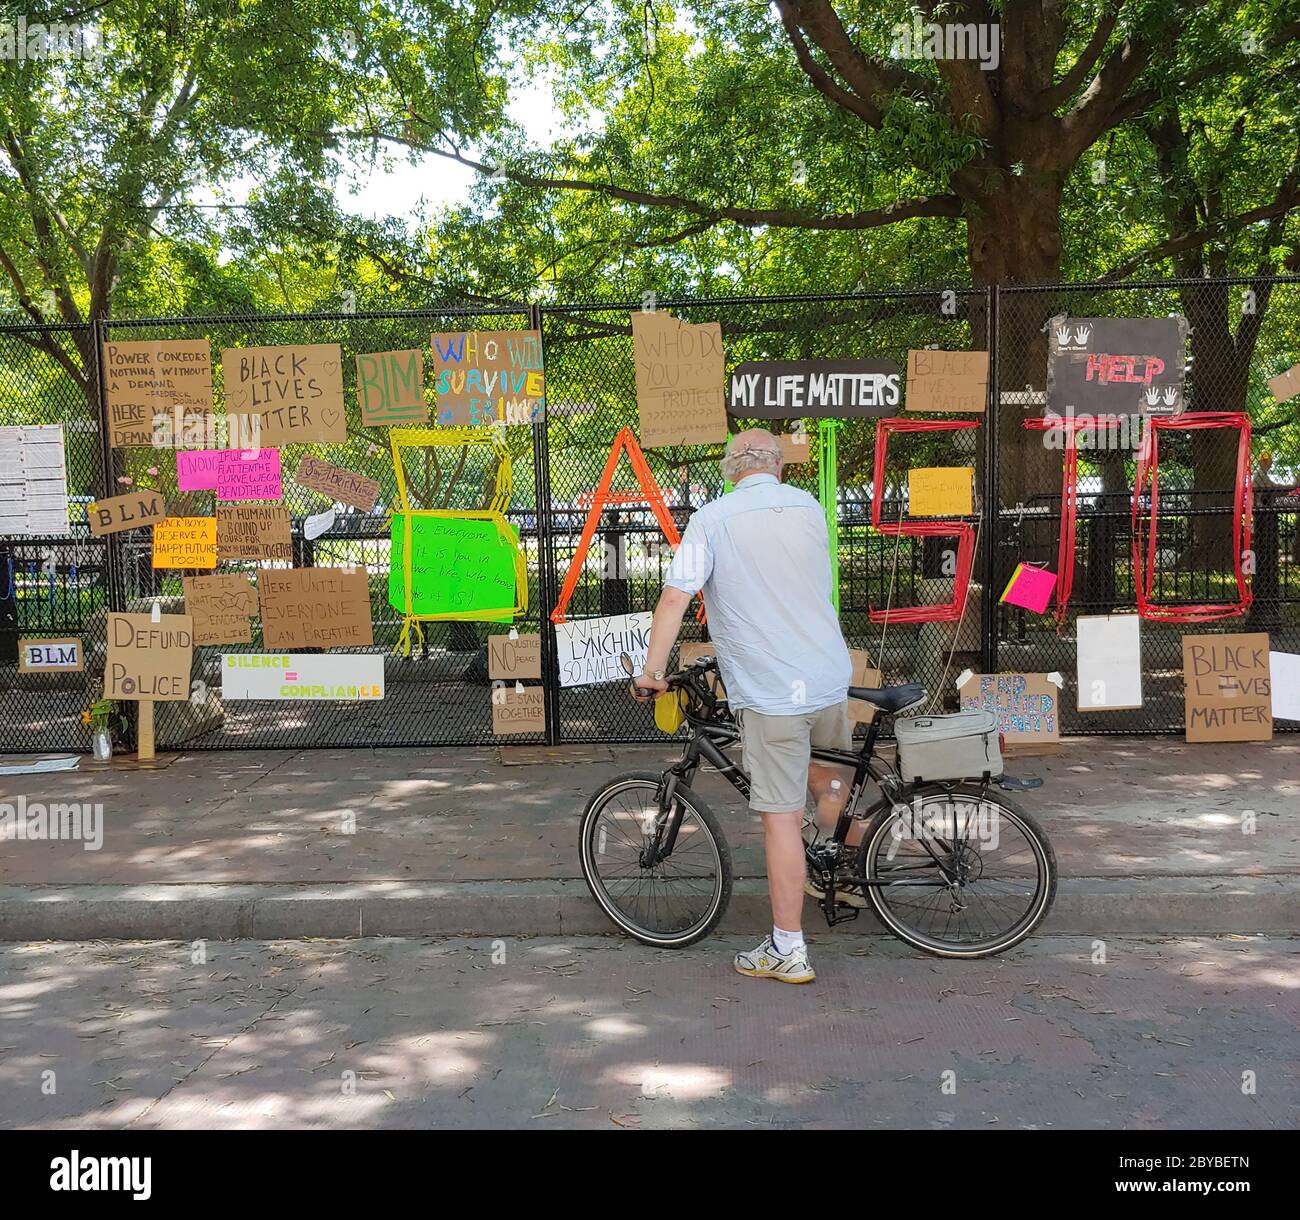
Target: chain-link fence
[
  {"x": 53, "y": 586},
  {"x": 1241, "y": 333},
  {"x": 591, "y": 394}
]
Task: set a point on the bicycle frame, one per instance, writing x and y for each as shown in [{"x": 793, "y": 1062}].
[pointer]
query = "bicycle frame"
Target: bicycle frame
[{"x": 705, "y": 745}]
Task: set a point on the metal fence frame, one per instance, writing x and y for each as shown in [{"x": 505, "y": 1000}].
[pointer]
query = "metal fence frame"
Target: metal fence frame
[{"x": 442, "y": 699}]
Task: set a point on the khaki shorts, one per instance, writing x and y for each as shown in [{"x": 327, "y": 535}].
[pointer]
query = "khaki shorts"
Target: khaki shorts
[{"x": 777, "y": 750}]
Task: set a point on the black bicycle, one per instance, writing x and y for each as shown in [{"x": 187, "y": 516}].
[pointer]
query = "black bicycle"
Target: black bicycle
[{"x": 952, "y": 868}]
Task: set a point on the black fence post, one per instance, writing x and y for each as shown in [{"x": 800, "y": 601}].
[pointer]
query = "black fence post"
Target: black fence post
[
  {"x": 545, "y": 547},
  {"x": 992, "y": 493},
  {"x": 113, "y": 576}
]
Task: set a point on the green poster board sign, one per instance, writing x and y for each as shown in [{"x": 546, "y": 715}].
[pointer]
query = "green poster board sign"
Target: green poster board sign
[{"x": 461, "y": 567}]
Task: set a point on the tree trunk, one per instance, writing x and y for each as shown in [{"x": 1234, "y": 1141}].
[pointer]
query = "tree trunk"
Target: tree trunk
[
  {"x": 1218, "y": 379},
  {"x": 1014, "y": 237}
]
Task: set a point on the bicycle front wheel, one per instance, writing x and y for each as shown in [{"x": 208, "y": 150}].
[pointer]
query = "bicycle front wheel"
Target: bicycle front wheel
[
  {"x": 670, "y": 903},
  {"x": 957, "y": 873}
]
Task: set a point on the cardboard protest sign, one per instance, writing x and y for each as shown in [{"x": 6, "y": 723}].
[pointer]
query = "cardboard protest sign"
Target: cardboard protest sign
[
  {"x": 33, "y": 481},
  {"x": 64, "y": 655},
  {"x": 315, "y": 608},
  {"x": 128, "y": 512},
  {"x": 390, "y": 388},
  {"x": 1116, "y": 366},
  {"x": 794, "y": 447},
  {"x": 222, "y": 607},
  {"x": 518, "y": 711},
  {"x": 1285, "y": 386},
  {"x": 1030, "y": 588},
  {"x": 285, "y": 395},
  {"x": 940, "y": 491},
  {"x": 824, "y": 389},
  {"x": 863, "y": 673},
  {"x": 303, "y": 676},
  {"x": 249, "y": 474},
  {"x": 589, "y": 650},
  {"x": 947, "y": 381},
  {"x": 520, "y": 657},
  {"x": 185, "y": 542},
  {"x": 483, "y": 375},
  {"x": 147, "y": 659},
  {"x": 345, "y": 486},
  {"x": 460, "y": 567},
  {"x": 254, "y": 531},
  {"x": 1284, "y": 681},
  {"x": 1027, "y": 707},
  {"x": 196, "y": 469},
  {"x": 680, "y": 371},
  {"x": 157, "y": 389},
  {"x": 1228, "y": 688},
  {"x": 1109, "y": 662}
]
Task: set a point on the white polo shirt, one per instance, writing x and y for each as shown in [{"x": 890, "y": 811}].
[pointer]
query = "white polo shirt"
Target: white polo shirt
[{"x": 761, "y": 555}]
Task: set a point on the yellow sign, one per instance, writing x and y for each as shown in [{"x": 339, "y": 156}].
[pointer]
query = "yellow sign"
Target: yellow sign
[
  {"x": 185, "y": 542},
  {"x": 940, "y": 491}
]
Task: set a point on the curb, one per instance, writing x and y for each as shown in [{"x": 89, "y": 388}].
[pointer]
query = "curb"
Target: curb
[{"x": 1085, "y": 906}]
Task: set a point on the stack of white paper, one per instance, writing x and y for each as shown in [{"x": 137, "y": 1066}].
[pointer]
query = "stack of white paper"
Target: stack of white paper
[{"x": 33, "y": 481}]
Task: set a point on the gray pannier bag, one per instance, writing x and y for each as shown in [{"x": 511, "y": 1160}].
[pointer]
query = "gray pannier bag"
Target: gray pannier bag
[{"x": 965, "y": 745}]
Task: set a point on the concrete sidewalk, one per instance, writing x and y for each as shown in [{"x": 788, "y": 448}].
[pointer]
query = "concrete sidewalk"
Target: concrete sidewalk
[
  {"x": 603, "y": 1034},
  {"x": 1149, "y": 836}
]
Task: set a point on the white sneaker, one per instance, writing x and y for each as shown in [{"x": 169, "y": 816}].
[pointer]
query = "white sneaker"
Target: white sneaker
[{"x": 766, "y": 963}]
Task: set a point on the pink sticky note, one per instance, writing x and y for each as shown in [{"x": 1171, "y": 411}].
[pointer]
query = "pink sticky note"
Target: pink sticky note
[
  {"x": 196, "y": 469},
  {"x": 1031, "y": 588},
  {"x": 248, "y": 474}
]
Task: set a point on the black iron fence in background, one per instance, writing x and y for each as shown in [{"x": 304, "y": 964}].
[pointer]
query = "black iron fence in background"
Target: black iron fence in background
[{"x": 440, "y": 693}]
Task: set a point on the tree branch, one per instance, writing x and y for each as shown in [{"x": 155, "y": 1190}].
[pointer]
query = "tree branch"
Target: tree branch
[
  {"x": 1144, "y": 99},
  {"x": 870, "y": 79},
  {"x": 1284, "y": 203},
  {"x": 969, "y": 94},
  {"x": 784, "y": 218},
  {"x": 846, "y": 99},
  {"x": 1064, "y": 89}
]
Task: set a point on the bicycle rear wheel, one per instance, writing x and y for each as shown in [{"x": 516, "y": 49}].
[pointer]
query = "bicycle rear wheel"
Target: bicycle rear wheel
[
  {"x": 681, "y": 898},
  {"x": 1001, "y": 871}
]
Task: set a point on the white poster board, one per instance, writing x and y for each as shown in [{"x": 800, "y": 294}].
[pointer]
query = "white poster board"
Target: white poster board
[
  {"x": 1284, "y": 671},
  {"x": 1110, "y": 662},
  {"x": 590, "y": 650},
  {"x": 302, "y": 675}
]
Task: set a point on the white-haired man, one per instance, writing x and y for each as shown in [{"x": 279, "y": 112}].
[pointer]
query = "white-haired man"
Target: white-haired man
[{"x": 761, "y": 555}]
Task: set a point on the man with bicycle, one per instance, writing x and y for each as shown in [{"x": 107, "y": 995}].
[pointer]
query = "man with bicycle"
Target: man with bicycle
[{"x": 760, "y": 554}]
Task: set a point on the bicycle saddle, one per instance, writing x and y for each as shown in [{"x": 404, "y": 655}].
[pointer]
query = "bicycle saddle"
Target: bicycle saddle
[{"x": 890, "y": 699}]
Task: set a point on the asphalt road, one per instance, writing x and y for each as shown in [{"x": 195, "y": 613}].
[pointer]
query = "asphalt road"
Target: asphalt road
[{"x": 603, "y": 1033}]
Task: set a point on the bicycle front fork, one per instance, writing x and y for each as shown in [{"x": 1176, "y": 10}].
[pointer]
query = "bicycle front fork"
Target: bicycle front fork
[{"x": 667, "y": 823}]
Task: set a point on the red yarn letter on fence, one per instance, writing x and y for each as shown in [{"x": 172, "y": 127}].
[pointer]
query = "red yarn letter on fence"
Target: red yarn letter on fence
[{"x": 946, "y": 612}]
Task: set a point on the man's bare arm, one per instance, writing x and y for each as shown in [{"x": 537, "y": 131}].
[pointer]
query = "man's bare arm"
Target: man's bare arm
[{"x": 665, "y": 625}]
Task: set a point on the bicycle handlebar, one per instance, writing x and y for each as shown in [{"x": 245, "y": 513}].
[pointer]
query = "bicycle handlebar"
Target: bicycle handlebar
[{"x": 676, "y": 681}]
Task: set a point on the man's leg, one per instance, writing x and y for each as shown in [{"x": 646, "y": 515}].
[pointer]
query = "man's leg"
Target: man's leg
[
  {"x": 785, "y": 869},
  {"x": 776, "y": 758}
]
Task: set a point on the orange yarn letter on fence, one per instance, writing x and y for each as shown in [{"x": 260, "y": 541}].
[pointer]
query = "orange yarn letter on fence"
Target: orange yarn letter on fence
[{"x": 625, "y": 440}]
